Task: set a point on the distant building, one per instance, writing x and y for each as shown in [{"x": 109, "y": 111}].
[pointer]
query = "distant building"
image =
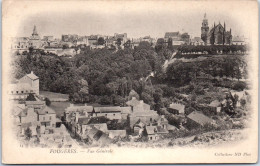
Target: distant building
[
  {"x": 20, "y": 43},
  {"x": 48, "y": 38},
  {"x": 35, "y": 39},
  {"x": 217, "y": 35},
  {"x": 141, "y": 111},
  {"x": 176, "y": 108},
  {"x": 238, "y": 40},
  {"x": 197, "y": 41},
  {"x": 108, "y": 112},
  {"x": 177, "y": 38},
  {"x": 24, "y": 86},
  {"x": 123, "y": 37}
]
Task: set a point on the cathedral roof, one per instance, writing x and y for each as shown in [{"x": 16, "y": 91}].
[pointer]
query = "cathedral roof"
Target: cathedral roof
[{"x": 171, "y": 34}]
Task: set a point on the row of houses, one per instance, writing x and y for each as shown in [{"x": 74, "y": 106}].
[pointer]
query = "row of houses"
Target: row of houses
[
  {"x": 138, "y": 115},
  {"x": 33, "y": 119},
  {"x": 36, "y": 121}
]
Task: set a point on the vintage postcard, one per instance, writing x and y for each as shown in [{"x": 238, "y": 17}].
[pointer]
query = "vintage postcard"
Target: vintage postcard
[{"x": 94, "y": 82}]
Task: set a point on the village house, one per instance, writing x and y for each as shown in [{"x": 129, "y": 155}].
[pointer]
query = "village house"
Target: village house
[
  {"x": 23, "y": 87},
  {"x": 36, "y": 105},
  {"x": 77, "y": 111},
  {"x": 94, "y": 136},
  {"x": 116, "y": 133},
  {"x": 177, "y": 38},
  {"x": 47, "y": 117},
  {"x": 142, "y": 111},
  {"x": 108, "y": 112},
  {"x": 197, "y": 41},
  {"x": 177, "y": 108},
  {"x": 215, "y": 106},
  {"x": 197, "y": 119}
]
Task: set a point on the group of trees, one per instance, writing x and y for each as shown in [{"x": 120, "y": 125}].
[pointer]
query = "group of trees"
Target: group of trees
[
  {"x": 101, "y": 75},
  {"x": 107, "y": 77},
  {"x": 212, "y": 49},
  {"x": 222, "y": 67}
]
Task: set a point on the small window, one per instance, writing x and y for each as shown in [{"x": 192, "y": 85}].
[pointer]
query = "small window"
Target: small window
[
  {"x": 17, "y": 92},
  {"x": 106, "y": 115},
  {"x": 151, "y": 119},
  {"x": 22, "y": 91},
  {"x": 114, "y": 114},
  {"x": 50, "y": 117},
  {"x": 12, "y": 92}
]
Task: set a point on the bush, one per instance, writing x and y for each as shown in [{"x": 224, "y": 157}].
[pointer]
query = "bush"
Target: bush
[
  {"x": 239, "y": 86},
  {"x": 47, "y": 101}
]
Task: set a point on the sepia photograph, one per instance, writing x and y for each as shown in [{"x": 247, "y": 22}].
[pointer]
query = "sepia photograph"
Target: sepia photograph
[{"x": 129, "y": 82}]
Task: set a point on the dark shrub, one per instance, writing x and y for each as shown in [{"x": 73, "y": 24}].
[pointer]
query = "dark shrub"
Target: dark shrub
[{"x": 239, "y": 86}]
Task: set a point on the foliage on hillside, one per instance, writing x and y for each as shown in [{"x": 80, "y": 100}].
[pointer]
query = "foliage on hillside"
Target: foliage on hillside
[{"x": 107, "y": 76}]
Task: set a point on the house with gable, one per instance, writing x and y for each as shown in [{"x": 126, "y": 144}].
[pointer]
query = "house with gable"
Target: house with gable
[
  {"x": 108, "y": 112},
  {"x": 176, "y": 108},
  {"x": 142, "y": 111},
  {"x": 23, "y": 87},
  {"x": 197, "y": 119}
]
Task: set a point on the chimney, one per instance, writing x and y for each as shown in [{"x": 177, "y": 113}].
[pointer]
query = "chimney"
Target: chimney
[{"x": 31, "y": 72}]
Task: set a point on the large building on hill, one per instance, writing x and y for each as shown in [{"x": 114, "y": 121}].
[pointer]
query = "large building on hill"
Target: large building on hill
[
  {"x": 35, "y": 39},
  {"x": 24, "y": 86},
  {"x": 217, "y": 35}
]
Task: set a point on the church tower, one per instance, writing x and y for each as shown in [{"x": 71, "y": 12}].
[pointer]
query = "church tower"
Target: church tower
[{"x": 204, "y": 29}]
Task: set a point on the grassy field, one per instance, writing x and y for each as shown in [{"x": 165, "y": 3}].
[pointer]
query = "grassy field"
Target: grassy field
[{"x": 52, "y": 95}]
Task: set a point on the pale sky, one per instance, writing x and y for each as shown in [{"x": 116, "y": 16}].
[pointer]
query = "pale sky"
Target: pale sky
[{"x": 135, "y": 24}]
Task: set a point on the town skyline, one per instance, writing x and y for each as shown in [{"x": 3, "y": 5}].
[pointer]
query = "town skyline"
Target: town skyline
[{"x": 99, "y": 24}]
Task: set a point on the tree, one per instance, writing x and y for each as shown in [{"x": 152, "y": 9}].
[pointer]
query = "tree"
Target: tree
[
  {"x": 132, "y": 94},
  {"x": 28, "y": 133},
  {"x": 47, "y": 101},
  {"x": 101, "y": 41},
  {"x": 65, "y": 46},
  {"x": 83, "y": 92},
  {"x": 118, "y": 41}
]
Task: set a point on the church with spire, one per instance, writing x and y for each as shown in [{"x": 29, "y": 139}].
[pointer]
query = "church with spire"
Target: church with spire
[
  {"x": 217, "y": 35},
  {"x": 35, "y": 39}
]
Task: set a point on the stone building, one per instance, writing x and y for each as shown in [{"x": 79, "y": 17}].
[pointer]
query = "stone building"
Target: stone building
[{"x": 217, "y": 35}]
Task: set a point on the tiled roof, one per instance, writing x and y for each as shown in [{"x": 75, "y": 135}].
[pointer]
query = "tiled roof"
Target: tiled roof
[
  {"x": 125, "y": 110},
  {"x": 171, "y": 34},
  {"x": 32, "y": 76},
  {"x": 23, "y": 113},
  {"x": 39, "y": 102},
  {"x": 161, "y": 130},
  {"x": 150, "y": 129},
  {"x": 215, "y": 103},
  {"x": 107, "y": 109},
  {"x": 177, "y": 106},
  {"x": 46, "y": 110},
  {"x": 86, "y": 108},
  {"x": 83, "y": 121},
  {"x": 196, "y": 39},
  {"x": 199, "y": 118}
]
